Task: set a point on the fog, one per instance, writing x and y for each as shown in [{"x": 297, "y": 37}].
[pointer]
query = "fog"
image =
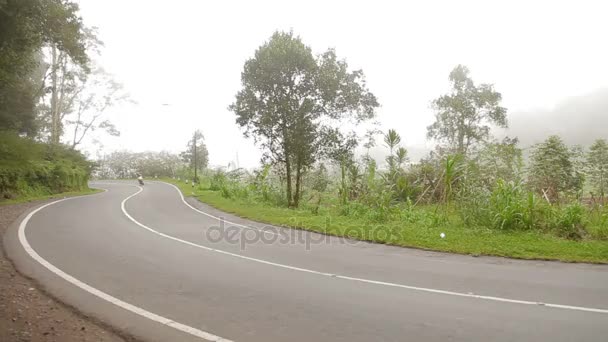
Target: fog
[
  {"x": 578, "y": 120},
  {"x": 547, "y": 58}
]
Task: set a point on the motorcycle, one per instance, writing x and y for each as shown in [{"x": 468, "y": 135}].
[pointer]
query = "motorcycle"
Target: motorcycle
[{"x": 141, "y": 181}]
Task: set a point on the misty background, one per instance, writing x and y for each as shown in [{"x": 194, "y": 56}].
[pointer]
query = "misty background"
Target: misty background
[{"x": 181, "y": 63}]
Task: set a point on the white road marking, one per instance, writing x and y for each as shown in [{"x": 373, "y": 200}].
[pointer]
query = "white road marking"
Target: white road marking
[
  {"x": 137, "y": 310},
  {"x": 344, "y": 277},
  {"x": 214, "y": 217}
]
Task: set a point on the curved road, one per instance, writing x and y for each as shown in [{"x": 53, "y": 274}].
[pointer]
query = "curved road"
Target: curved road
[{"x": 156, "y": 266}]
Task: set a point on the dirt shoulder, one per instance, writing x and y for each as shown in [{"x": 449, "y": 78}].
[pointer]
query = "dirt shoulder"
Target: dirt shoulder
[{"x": 27, "y": 314}]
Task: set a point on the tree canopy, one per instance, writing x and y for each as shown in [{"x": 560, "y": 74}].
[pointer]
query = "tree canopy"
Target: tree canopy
[
  {"x": 290, "y": 97},
  {"x": 197, "y": 158},
  {"x": 597, "y": 167},
  {"x": 463, "y": 116},
  {"x": 551, "y": 170},
  {"x": 25, "y": 27}
]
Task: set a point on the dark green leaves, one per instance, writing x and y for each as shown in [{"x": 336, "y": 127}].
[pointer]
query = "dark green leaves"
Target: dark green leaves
[{"x": 292, "y": 101}]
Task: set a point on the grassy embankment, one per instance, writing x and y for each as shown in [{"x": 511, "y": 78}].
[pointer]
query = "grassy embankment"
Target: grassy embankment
[
  {"x": 30, "y": 170},
  {"x": 419, "y": 233}
]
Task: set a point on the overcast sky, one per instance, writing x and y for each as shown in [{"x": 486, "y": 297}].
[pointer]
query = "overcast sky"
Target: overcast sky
[{"x": 189, "y": 55}]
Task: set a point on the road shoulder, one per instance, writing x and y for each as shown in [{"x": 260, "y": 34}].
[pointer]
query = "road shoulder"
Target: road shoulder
[{"x": 27, "y": 313}]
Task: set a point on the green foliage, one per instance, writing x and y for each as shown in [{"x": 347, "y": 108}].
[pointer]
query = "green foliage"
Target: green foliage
[
  {"x": 392, "y": 140},
  {"x": 412, "y": 226},
  {"x": 319, "y": 178},
  {"x": 396, "y": 178},
  {"x": 218, "y": 180},
  {"x": 462, "y": 117},
  {"x": 25, "y": 27},
  {"x": 290, "y": 97},
  {"x": 570, "y": 221},
  {"x": 507, "y": 209},
  {"x": 597, "y": 168},
  {"x": 125, "y": 164},
  {"x": 28, "y": 168},
  {"x": 499, "y": 160},
  {"x": 196, "y": 155},
  {"x": 598, "y": 222},
  {"x": 551, "y": 172},
  {"x": 452, "y": 172},
  {"x": 510, "y": 207},
  {"x": 261, "y": 183}
]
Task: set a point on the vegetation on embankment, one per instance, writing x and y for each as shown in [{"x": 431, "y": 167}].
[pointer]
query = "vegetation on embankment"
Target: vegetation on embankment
[
  {"x": 32, "y": 170},
  {"x": 24, "y": 199},
  {"x": 52, "y": 93},
  {"x": 419, "y": 228}
]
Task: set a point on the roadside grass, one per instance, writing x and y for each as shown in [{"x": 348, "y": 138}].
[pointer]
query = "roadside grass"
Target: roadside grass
[
  {"x": 402, "y": 232},
  {"x": 38, "y": 197}
]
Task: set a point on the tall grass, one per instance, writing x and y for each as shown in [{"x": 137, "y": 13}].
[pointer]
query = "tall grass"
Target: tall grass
[{"x": 443, "y": 188}]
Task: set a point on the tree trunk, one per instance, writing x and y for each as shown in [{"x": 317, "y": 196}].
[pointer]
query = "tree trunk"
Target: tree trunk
[
  {"x": 296, "y": 197},
  {"x": 461, "y": 144},
  {"x": 461, "y": 134},
  {"x": 54, "y": 100},
  {"x": 288, "y": 174}
]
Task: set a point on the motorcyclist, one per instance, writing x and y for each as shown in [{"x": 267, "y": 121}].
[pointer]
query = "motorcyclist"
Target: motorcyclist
[{"x": 140, "y": 180}]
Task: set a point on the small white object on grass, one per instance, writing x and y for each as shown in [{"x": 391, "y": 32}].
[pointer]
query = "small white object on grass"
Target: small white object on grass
[{"x": 442, "y": 235}]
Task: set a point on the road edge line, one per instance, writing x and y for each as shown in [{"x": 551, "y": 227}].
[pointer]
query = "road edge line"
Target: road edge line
[
  {"x": 344, "y": 277},
  {"x": 100, "y": 294}
]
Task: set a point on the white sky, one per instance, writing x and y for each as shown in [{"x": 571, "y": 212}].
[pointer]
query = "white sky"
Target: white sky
[{"x": 190, "y": 54}]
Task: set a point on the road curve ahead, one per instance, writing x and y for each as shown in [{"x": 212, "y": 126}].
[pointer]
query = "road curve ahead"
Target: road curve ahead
[{"x": 164, "y": 269}]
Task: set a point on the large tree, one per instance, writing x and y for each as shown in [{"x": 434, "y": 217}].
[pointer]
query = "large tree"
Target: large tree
[
  {"x": 463, "y": 116},
  {"x": 597, "y": 167},
  {"x": 26, "y": 26},
  {"x": 290, "y": 97},
  {"x": 69, "y": 83},
  {"x": 196, "y": 154}
]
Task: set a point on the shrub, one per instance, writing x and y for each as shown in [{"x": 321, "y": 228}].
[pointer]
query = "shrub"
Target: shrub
[
  {"x": 30, "y": 168},
  {"x": 570, "y": 221},
  {"x": 597, "y": 225},
  {"x": 506, "y": 206},
  {"x": 218, "y": 180}
]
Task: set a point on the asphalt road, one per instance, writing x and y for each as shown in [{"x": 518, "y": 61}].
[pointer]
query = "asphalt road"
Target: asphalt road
[{"x": 149, "y": 264}]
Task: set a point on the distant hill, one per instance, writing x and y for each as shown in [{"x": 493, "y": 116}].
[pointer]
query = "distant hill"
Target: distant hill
[{"x": 578, "y": 120}]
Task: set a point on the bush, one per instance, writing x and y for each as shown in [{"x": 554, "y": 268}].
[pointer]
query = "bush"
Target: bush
[
  {"x": 570, "y": 221},
  {"x": 30, "y": 168},
  {"x": 218, "y": 180},
  {"x": 507, "y": 210},
  {"x": 509, "y": 207}
]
